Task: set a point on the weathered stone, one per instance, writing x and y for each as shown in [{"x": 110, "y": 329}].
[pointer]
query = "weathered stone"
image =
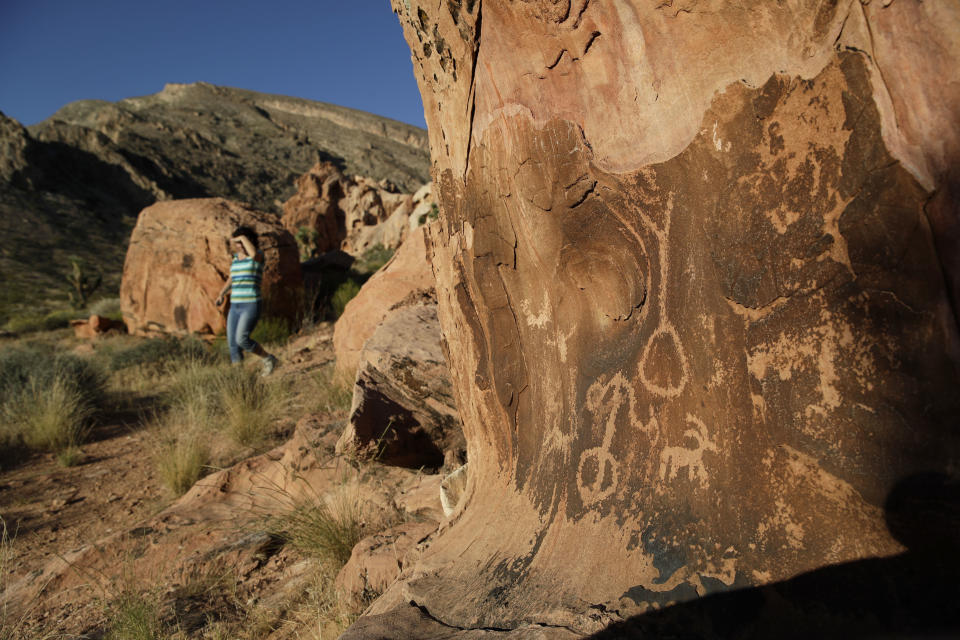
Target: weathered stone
[
  {"x": 95, "y": 326},
  {"x": 403, "y": 412},
  {"x": 377, "y": 560},
  {"x": 407, "y": 271},
  {"x": 350, "y": 213},
  {"x": 179, "y": 259},
  {"x": 694, "y": 308}
]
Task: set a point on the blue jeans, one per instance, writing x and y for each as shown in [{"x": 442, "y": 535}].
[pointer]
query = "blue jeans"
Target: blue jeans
[{"x": 241, "y": 320}]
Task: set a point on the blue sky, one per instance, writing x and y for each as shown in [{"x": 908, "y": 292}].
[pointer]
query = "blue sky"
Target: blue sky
[{"x": 347, "y": 52}]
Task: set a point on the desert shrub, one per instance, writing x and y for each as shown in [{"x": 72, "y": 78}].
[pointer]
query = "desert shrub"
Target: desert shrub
[
  {"x": 107, "y": 308},
  {"x": 343, "y": 294},
  {"x": 326, "y": 528},
  {"x": 373, "y": 259},
  {"x": 134, "y": 616},
  {"x": 43, "y": 322},
  {"x": 161, "y": 354},
  {"x": 21, "y": 364},
  {"x": 182, "y": 458},
  {"x": 272, "y": 331},
  {"x": 48, "y": 399},
  {"x": 50, "y": 417}
]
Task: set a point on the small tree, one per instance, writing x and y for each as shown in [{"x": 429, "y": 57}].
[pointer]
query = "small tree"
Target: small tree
[
  {"x": 82, "y": 284},
  {"x": 306, "y": 241}
]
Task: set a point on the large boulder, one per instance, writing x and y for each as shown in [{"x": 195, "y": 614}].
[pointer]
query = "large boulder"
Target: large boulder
[
  {"x": 694, "y": 267},
  {"x": 407, "y": 272},
  {"x": 179, "y": 258},
  {"x": 403, "y": 412}
]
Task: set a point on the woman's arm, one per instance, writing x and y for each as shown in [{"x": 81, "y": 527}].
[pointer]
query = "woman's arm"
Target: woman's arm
[
  {"x": 250, "y": 249},
  {"x": 223, "y": 292}
]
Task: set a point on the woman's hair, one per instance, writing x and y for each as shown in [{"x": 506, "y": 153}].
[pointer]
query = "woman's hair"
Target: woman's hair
[{"x": 249, "y": 233}]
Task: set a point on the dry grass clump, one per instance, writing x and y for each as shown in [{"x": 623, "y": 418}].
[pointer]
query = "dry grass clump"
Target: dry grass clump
[
  {"x": 133, "y": 615},
  {"x": 213, "y": 407},
  {"x": 181, "y": 459},
  {"x": 50, "y": 418},
  {"x": 330, "y": 391},
  {"x": 326, "y": 529},
  {"x": 48, "y": 400}
]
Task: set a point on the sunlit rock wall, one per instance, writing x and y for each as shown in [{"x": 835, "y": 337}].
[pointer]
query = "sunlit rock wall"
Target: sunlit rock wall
[{"x": 695, "y": 271}]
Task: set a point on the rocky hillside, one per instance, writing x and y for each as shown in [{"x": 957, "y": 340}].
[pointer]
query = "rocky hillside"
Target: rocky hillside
[{"x": 72, "y": 185}]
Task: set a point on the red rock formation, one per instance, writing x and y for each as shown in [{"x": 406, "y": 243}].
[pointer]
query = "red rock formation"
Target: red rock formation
[
  {"x": 695, "y": 270},
  {"x": 95, "y": 326},
  {"x": 407, "y": 272},
  {"x": 403, "y": 411},
  {"x": 179, "y": 258},
  {"x": 351, "y": 213}
]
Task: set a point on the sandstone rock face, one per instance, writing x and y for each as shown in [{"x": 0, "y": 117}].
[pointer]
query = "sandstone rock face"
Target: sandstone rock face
[
  {"x": 377, "y": 560},
  {"x": 403, "y": 411},
  {"x": 179, "y": 258},
  {"x": 350, "y": 213},
  {"x": 407, "y": 272},
  {"x": 694, "y": 270}
]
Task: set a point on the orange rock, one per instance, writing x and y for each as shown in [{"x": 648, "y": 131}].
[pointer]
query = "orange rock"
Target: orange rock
[
  {"x": 179, "y": 259},
  {"x": 350, "y": 213},
  {"x": 377, "y": 560},
  {"x": 408, "y": 271}
]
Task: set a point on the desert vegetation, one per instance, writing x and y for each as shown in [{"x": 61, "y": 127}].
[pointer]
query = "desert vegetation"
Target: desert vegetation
[{"x": 193, "y": 414}]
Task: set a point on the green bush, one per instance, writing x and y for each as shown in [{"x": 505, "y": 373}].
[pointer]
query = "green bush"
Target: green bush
[
  {"x": 271, "y": 331},
  {"x": 373, "y": 259},
  {"x": 48, "y": 322},
  {"x": 35, "y": 366},
  {"x": 343, "y": 294},
  {"x": 107, "y": 308}
]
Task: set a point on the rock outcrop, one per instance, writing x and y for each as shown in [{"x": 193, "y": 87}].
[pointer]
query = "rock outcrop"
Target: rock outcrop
[
  {"x": 407, "y": 273},
  {"x": 333, "y": 211},
  {"x": 96, "y": 326},
  {"x": 179, "y": 258},
  {"x": 403, "y": 412},
  {"x": 696, "y": 270}
]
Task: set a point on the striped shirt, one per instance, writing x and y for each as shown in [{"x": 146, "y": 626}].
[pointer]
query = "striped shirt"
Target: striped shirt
[{"x": 245, "y": 277}]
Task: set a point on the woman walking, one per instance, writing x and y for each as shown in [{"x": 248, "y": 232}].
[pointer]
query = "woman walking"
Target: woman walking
[{"x": 243, "y": 287}]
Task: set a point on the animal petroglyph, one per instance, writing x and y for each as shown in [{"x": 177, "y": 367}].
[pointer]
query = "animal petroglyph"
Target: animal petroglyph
[{"x": 672, "y": 459}]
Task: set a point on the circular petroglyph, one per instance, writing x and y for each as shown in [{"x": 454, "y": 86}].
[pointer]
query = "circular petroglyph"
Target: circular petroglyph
[
  {"x": 597, "y": 475},
  {"x": 663, "y": 365}
]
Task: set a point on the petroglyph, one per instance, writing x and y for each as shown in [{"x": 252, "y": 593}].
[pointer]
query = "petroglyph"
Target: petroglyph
[
  {"x": 538, "y": 319},
  {"x": 602, "y": 400},
  {"x": 598, "y": 471},
  {"x": 670, "y": 370},
  {"x": 672, "y": 459}
]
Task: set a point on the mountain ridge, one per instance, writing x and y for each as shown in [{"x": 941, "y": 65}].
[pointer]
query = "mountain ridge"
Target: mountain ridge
[{"x": 71, "y": 186}]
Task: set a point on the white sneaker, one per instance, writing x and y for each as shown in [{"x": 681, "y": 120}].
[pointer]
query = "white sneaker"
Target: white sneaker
[{"x": 269, "y": 364}]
